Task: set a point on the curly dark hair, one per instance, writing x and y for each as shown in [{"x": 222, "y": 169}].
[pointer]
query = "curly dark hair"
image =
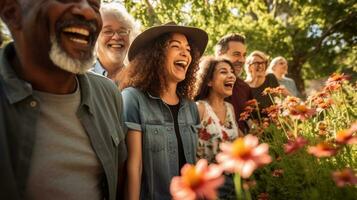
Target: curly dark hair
[
  {"x": 208, "y": 66},
  {"x": 145, "y": 71}
]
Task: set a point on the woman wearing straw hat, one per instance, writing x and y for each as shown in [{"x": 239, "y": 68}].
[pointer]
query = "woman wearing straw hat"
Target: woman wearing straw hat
[{"x": 162, "y": 120}]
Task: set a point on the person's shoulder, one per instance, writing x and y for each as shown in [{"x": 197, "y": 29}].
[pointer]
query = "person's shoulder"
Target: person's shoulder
[
  {"x": 289, "y": 79},
  {"x": 271, "y": 76},
  {"x": 98, "y": 83},
  {"x": 98, "y": 79},
  {"x": 132, "y": 91},
  {"x": 240, "y": 83}
]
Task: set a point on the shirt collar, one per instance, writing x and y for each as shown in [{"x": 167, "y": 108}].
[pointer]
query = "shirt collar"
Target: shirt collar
[
  {"x": 15, "y": 88},
  {"x": 85, "y": 87},
  {"x": 182, "y": 100},
  {"x": 99, "y": 69}
]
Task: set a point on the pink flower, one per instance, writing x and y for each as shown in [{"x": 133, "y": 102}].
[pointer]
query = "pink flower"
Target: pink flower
[
  {"x": 294, "y": 145},
  {"x": 322, "y": 149},
  {"x": 301, "y": 112},
  {"x": 244, "y": 155},
  {"x": 200, "y": 181},
  {"x": 344, "y": 177}
]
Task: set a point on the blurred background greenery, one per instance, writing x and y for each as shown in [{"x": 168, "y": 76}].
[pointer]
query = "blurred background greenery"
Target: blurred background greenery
[{"x": 317, "y": 37}]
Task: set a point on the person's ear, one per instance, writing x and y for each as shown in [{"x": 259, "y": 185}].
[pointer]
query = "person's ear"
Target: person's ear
[
  {"x": 10, "y": 13},
  {"x": 209, "y": 84}
]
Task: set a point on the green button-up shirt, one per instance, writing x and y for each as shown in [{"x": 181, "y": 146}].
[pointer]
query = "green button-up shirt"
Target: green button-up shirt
[{"x": 100, "y": 113}]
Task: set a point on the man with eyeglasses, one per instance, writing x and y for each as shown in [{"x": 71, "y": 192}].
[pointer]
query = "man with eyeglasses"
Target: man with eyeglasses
[
  {"x": 119, "y": 29},
  {"x": 232, "y": 47}
]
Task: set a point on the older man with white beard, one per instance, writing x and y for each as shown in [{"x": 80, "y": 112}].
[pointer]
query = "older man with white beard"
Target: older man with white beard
[
  {"x": 61, "y": 127},
  {"x": 119, "y": 30}
]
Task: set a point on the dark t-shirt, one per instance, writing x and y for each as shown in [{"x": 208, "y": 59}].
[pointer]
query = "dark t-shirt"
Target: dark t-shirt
[
  {"x": 264, "y": 101},
  {"x": 174, "y": 111},
  {"x": 241, "y": 93}
]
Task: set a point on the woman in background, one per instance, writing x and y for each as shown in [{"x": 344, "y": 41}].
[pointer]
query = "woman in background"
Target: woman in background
[
  {"x": 218, "y": 122},
  {"x": 257, "y": 79},
  {"x": 279, "y": 67}
]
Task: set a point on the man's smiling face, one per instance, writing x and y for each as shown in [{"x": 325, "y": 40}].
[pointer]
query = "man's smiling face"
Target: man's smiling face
[{"x": 67, "y": 29}]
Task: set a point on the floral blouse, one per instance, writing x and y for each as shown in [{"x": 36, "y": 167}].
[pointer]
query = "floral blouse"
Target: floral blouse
[{"x": 213, "y": 131}]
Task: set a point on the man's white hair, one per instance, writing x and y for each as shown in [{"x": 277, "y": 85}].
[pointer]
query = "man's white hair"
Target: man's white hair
[{"x": 122, "y": 15}]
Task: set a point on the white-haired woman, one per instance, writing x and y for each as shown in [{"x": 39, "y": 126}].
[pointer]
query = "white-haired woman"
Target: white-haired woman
[
  {"x": 279, "y": 67},
  {"x": 257, "y": 79}
]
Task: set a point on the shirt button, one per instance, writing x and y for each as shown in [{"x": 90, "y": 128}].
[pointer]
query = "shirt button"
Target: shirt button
[{"x": 33, "y": 104}]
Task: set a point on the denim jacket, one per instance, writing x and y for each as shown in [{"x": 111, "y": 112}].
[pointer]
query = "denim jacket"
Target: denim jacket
[
  {"x": 100, "y": 113},
  {"x": 150, "y": 115}
]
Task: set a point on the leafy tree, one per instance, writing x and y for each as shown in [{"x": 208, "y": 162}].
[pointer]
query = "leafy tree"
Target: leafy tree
[{"x": 316, "y": 37}]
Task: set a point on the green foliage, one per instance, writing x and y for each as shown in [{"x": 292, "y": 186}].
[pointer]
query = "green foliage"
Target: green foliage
[
  {"x": 315, "y": 36},
  {"x": 304, "y": 176}
]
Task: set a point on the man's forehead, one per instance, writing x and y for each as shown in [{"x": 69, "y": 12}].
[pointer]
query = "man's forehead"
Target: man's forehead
[
  {"x": 110, "y": 18},
  {"x": 236, "y": 46}
]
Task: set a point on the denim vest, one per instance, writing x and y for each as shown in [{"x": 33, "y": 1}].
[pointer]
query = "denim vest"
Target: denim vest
[{"x": 150, "y": 115}]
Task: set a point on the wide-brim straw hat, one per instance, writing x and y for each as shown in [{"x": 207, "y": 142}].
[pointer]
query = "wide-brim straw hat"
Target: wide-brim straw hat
[{"x": 198, "y": 36}]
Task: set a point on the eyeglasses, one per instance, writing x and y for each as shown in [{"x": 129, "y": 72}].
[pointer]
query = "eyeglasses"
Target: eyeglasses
[
  {"x": 257, "y": 64},
  {"x": 110, "y": 33}
]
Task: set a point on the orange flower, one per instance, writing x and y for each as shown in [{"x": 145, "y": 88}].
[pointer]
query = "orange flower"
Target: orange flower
[
  {"x": 324, "y": 104},
  {"x": 291, "y": 101},
  {"x": 346, "y": 136},
  {"x": 294, "y": 145},
  {"x": 195, "y": 182},
  {"x": 243, "y": 116},
  {"x": 332, "y": 87},
  {"x": 267, "y": 91},
  {"x": 272, "y": 111},
  {"x": 244, "y": 155},
  {"x": 252, "y": 102},
  {"x": 344, "y": 177},
  {"x": 277, "y": 173},
  {"x": 280, "y": 90},
  {"x": 322, "y": 149},
  {"x": 336, "y": 78},
  {"x": 301, "y": 112},
  {"x": 322, "y": 128}
]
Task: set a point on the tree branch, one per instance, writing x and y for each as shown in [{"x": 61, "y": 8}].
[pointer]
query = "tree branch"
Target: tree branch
[{"x": 332, "y": 29}]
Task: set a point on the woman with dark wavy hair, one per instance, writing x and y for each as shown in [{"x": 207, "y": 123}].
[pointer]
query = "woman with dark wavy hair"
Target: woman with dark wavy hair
[
  {"x": 218, "y": 123},
  {"x": 162, "y": 121}
]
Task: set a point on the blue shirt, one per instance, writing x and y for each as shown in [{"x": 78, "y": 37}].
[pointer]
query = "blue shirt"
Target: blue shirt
[
  {"x": 99, "y": 69},
  {"x": 150, "y": 115},
  {"x": 290, "y": 85}
]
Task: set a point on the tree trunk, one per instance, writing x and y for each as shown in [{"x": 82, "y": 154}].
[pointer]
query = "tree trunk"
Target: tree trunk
[{"x": 295, "y": 67}]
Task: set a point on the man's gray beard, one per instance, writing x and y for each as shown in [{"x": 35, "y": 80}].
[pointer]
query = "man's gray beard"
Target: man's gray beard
[{"x": 60, "y": 58}]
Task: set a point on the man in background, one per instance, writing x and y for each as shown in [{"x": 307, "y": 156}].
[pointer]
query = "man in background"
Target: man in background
[
  {"x": 119, "y": 30},
  {"x": 232, "y": 47}
]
